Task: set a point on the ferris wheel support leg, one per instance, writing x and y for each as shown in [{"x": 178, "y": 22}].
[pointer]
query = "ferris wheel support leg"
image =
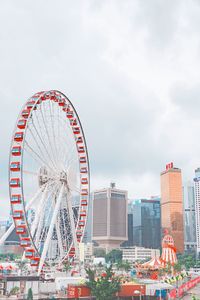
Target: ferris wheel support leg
[
  {"x": 69, "y": 204},
  {"x": 29, "y": 204},
  {"x": 12, "y": 226},
  {"x": 38, "y": 214},
  {"x": 7, "y": 233},
  {"x": 48, "y": 238}
]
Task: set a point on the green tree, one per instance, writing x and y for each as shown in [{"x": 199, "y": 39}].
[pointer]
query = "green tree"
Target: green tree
[
  {"x": 178, "y": 267},
  {"x": 66, "y": 266},
  {"x": 30, "y": 294},
  {"x": 14, "y": 290},
  {"x": 104, "y": 287},
  {"x": 114, "y": 256},
  {"x": 124, "y": 265}
]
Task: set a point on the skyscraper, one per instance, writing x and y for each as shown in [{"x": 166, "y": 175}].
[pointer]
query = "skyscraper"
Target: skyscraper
[
  {"x": 110, "y": 217},
  {"x": 144, "y": 223},
  {"x": 189, "y": 217},
  {"x": 172, "y": 205},
  {"x": 197, "y": 207}
]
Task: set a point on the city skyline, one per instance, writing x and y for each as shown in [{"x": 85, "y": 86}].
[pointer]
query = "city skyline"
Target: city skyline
[{"x": 132, "y": 75}]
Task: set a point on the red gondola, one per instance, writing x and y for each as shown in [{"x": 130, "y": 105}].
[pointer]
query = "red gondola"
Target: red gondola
[
  {"x": 35, "y": 261},
  {"x": 21, "y": 124},
  {"x": 25, "y": 113},
  {"x": 70, "y": 114},
  {"x": 81, "y": 149},
  {"x": 15, "y": 166},
  {"x": 79, "y": 139},
  {"x": 83, "y": 170},
  {"x": 73, "y": 122},
  {"x": 16, "y": 199},
  {"x": 16, "y": 151},
  {"x": 18, "y": 136},
  {"x": 21, "y": 229},
  {"x": 30, "y": 104},
  {"x": 84, "y": 192},
  {"x": 84, "y": 181},
  {"x": 14, "y": 182},
  {"x": 76, "y": 130},
  {"x": 61, "y": 102},
  {"x": 25, "y": 242},
  {"x": 83, "y": 213},
  {"x": 79, "y": 233},
  {"x": 17, "y": 214},
  {"x": 83, "y": 202},
  {"x": 81, "y": 223},
  {"x": 82, "y": 160},
  {"x": 29, "y": 253}
]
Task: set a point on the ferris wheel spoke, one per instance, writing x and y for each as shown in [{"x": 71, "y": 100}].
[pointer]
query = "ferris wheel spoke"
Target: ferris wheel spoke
[
  {"x": 70, "y": 157},
  {"x": 42, "y": 143},
  {"x": 38, "y": 159},
  {"x": 37, "y": 143},
  {"x": 47, "y": 132},
  {"x": 51, "y": 109},
  {"x": 50, "y": 231},
  {"x": 42, "y": 213},
  {"x": 39, "y": 211},
  {"x": 33, "y": 199}
]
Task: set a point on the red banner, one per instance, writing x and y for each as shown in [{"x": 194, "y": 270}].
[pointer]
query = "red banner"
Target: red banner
[{"x": 184, "y": 288}]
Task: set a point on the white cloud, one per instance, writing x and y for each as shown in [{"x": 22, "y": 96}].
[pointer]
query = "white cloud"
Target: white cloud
[{"x": 132, "y": 70}]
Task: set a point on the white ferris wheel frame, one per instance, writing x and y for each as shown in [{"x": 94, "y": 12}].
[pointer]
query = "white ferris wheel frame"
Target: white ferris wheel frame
[{"x": 20, "y": 206}]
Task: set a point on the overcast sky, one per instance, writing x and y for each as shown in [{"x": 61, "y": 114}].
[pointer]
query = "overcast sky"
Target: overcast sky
[{"x": 131, "y": 69}]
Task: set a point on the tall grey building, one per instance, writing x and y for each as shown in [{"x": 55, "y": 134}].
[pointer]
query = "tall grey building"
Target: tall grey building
[
  {"x": 144, "y": 223},
  {"x": 110, "y": 217},
  {"x": 189, "y": 217}
]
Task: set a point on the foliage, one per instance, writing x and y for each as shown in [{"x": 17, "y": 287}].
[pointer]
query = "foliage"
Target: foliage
[
  {"x": 104, "y": 287},
  {"x": 178, "y": 267},
  {"x": 66, "y": 266},
  {"x": 124, "y": 265},
  {"x": 188, "y": 261},
  {"x": 194, "y": 298},
  {"x": 8, "y": 256},
  {"x": 114, "y": 256},
  {"x": 30, "y": 294},
  {"x": 99, "y": 252},
  {"x": 14, "y": 290}
]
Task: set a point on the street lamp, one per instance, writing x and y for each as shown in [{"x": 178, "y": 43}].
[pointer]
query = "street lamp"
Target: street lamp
[{"x": 137, "y": 293}]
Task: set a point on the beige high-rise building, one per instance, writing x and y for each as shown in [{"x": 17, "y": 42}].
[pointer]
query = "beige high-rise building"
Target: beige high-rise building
[
  {"x": 172, "y": 205},
  {"x": 110, "y": 217}
]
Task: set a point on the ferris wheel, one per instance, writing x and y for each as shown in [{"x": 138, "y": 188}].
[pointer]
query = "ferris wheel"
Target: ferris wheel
[{"x": 49, "y": 179}]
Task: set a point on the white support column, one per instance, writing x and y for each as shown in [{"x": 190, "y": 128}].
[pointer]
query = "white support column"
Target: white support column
[
  {"x": 69, "y": 204},
  {"x": 12, "y": 226},
  {"x": 53, "y": 221},
  {"x": 7, "y": 233},
  {"x": 39, "y": 211}
]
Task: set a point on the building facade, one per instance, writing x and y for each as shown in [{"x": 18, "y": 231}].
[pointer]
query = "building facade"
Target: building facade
[
  {"x": 189, "y": 217},
  {"x": 144, "y": 223},
  {"x": 197, "y": 208},
  {"x": 172, "y": 205},
  {"x": 133, "y": 254},
  {"x": 85, "y": 252},
  {"x": 110, "y": 217}
]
